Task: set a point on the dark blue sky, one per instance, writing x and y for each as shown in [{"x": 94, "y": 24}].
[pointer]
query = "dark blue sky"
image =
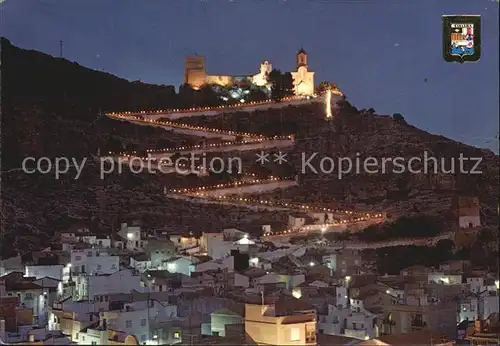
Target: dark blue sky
[{"x": 378, "y": 52}]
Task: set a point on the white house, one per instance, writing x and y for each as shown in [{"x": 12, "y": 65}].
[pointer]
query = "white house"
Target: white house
[
  {"x": 233, "y": 234},
  {"x": 361, "y": 325},
  {"x": 93, "y": 261},
  {"x": 99, "y": 240},
  {"x": 214, "y": 245},
  {"x": 290, "y": 281},
  {"x": 295, "y": 221},
  {"x": 123, "y": 281},
  {"x": 133, "y": 237},
  {"x": 468, "y": 309},
  {"x": 135, "y": 318},
  {"x": 322, "y": 218},
  {"x": 243, "y": 244},
  {"x": 345, "y": 322},
  {"x": 488, "y": 304},
  {"x": 182, "y": 242},
  {"x": 259, "y": 262},
  {"x": 241, "y": 280},
  {"x": 140, "y": 262},
  {"x": 469, "y": 215},
  {"x": 446, "y": 279},
  {"x": 41, "y": 271},
  {"x": 226, "y": 263},
  {"x": 180, "y": 265},
  {"x": 476, "y": 284}
]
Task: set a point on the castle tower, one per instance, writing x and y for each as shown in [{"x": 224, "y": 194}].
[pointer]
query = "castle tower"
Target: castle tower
[
  {"x": 303, "y": 79},
  {"x": 260, "y": 79},
  {"x": 301, "y": 58},
  {"x": 194, "y": 71}
]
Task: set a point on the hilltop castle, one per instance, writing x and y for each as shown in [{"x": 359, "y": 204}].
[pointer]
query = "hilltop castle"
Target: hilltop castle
[{"x": 195, "y": 75}]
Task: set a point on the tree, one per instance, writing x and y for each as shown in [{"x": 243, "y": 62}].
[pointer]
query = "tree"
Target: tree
[
  {"x": 207, "y": 97},
  {"x": 324, "y": 86},
  {"x": 398, "y": 117},
  {"x": 275, "y": 81},
  {"x": 256, "y": 94},
  {"x": 186, "y": 96},
  {"x": 445, "y": 248},
  {"x": 346, "y": 107},
  {"x": 281, "y": 84},
  {"x": 287, "y": 84}
]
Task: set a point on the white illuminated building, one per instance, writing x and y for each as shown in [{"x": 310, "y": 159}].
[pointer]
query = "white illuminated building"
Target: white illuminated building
[
  {"x": 303, "y": 79},
  {"x": 93, "y": 261},
  {"x": 124, "y": 281},
  {"x": 261, "y": 78},
  {"x": 41, "y": 271},
  {"x": 180, "y": 265},
  {"x": 132, "y": 236}
]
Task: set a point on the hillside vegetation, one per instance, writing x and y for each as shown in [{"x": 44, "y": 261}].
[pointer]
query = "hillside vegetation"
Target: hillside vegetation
[{"x": 51, "y": 107}]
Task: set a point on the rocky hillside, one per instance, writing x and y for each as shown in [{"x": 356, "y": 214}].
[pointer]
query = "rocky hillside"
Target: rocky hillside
[
  {"x": 359, "y": 135},
  {"x": 51, "y": 107}
]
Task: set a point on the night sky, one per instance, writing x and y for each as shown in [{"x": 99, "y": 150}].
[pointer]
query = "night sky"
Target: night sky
[{"x": 382, "y": 54}]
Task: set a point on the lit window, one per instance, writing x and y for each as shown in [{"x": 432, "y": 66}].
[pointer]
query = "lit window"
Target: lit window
[
  {"x": 177, "y": 335},
  {"x": 295, "y": 334}
]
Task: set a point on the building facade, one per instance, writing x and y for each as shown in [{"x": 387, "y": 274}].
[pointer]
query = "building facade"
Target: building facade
[{"x": 195, "y": 75}]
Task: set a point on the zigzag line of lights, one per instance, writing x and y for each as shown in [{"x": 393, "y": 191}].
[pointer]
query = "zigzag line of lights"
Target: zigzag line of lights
[
  {"x": 197, "y": 128},
  {"x": 177, "y": 165},
  {"x": 201, "y": 146},
  {"x": 196, "y": 190},
  {"x": 268, "y": 202},
  {"x": 199, "y": 109}
]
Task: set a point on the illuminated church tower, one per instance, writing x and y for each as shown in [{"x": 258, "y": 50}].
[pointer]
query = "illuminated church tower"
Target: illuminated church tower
[{"x": 303, "y": 79}]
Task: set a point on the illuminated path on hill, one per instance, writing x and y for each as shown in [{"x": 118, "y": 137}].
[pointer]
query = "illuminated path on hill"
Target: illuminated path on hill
[{"x": 231, "y": 193}]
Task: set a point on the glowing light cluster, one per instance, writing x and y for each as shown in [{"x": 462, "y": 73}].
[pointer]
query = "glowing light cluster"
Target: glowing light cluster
[{"x": 201, "y": 109}]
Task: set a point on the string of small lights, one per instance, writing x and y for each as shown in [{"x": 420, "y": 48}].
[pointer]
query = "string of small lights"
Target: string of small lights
[
  {"x": 203, "y": 192},
  {"x": 204, "y": 146},
  {"x": 217, "y": 108},
  {"x": 253, "y": 181},
  {"x": 195, "y": 127},
  {"x": 322, "y": 227}
]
